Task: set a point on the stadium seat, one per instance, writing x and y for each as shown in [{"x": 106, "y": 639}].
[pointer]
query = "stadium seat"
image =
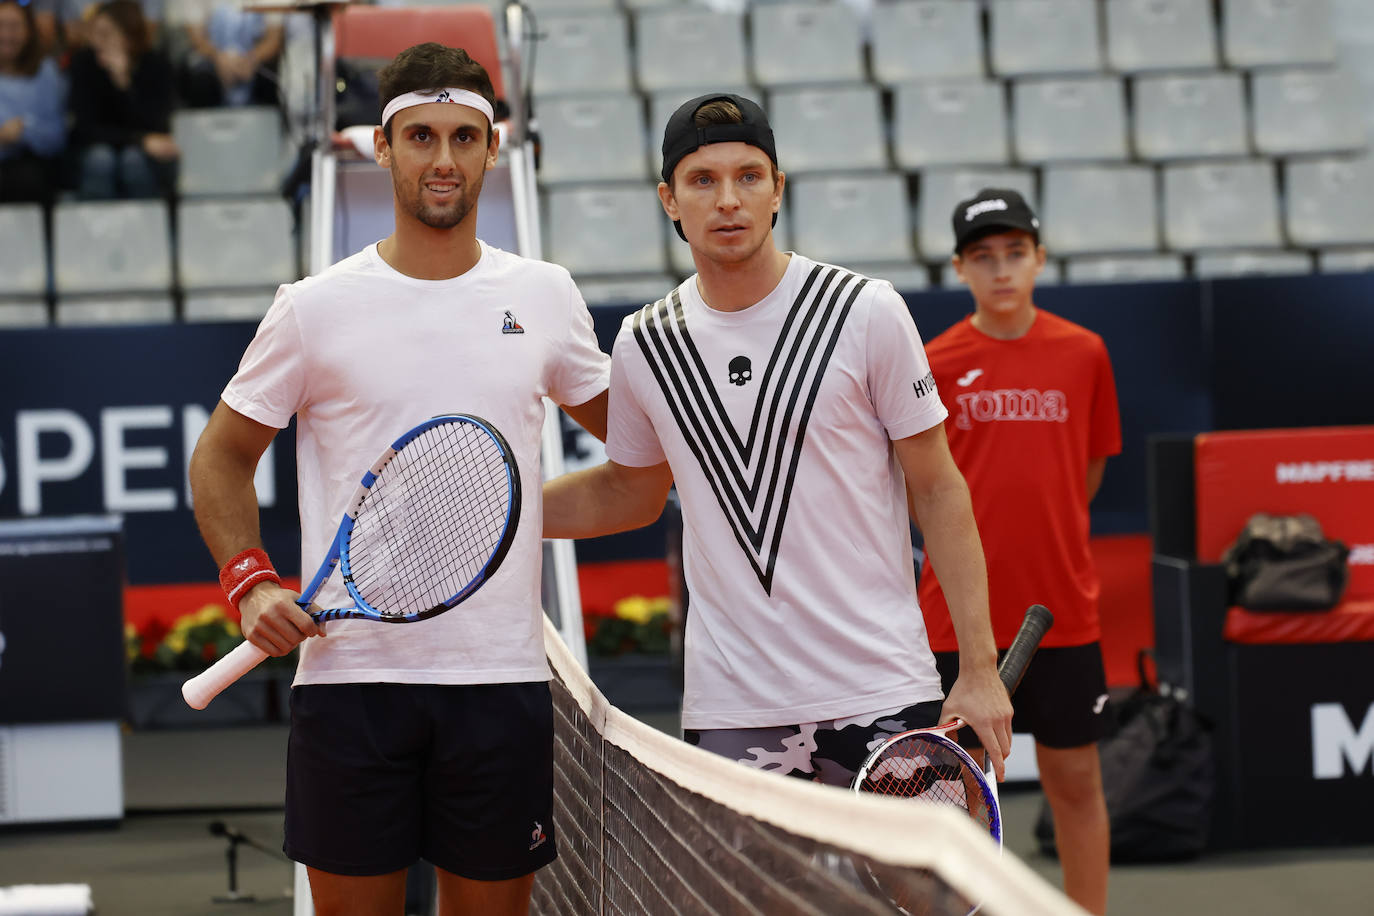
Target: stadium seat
[
  {"x": 606, "y": 229},
  {"x": 800, "y": 43},
  {"x": 961, "y": 123},
  {"x": 229, "y": 150},
  {"x": 1160, "y": 35},
  {"x": 1306, "y": 111},
  {"x": 689, "y": 47},
  {"x": 1267, "y": 33},
  {"x": 1075, "y": 118},
  {"x": 1221, "y": 205},
  {"x": 376, "y": 33},
  {"x": 1345, "y": 260},
  {"x": 598, "y": 137},
  {"x": 662, "y": 104},
  {"x": 248, "y": 305},
  {"x": 637, "y": 290},
  {"x": 1099, "y": 209},
  {"x": 584, "y": 52},
  {"x": 85, "y": 311},
  {"x": 23, "y": 313},
  {"x": 828, "y": 128},
  {"x": 1044, "y": 36},
  {"x": 940, "y": 191},
  {"x": 1258, "y": 263},
  {"x": 851, "y": 220},
  {"x": 111, "y": 247},
  {"x": 1125, "y": 268},
  {"x": 234, "y": 243},
  {"x": 927, "y": 40},
  {"x": 1190, "y": 117},
  {"x": 1330, "y": 201},
  {"x": 24, "y": 255}
]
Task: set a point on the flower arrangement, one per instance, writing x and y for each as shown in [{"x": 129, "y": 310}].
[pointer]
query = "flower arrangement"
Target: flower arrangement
[
  {"x": 635, "y": 624},
  {"x": 192, "y": 643}
]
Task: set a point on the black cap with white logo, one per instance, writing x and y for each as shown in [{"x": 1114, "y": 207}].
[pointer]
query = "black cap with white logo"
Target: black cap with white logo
[
  {"x": 682, "y": 137},
  {"x": 989, "y": 211}
]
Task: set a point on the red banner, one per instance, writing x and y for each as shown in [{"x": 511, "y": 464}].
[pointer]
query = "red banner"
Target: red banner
[{"x": 1327, "y": 473}]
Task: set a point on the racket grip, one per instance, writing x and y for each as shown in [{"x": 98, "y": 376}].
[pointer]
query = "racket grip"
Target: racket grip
[
  {"x": 1037, "y": 621},
  {"x": 204, "y": 687}
]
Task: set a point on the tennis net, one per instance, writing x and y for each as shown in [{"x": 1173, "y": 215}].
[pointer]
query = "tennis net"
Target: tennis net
[{"x": 651, "y": 825}]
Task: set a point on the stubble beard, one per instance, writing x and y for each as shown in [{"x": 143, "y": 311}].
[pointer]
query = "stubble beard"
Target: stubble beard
[{"x": 446, "y": 217}]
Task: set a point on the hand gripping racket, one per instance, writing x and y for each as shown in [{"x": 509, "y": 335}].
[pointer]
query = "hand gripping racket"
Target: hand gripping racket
[
  {"x": 927, "y": 764},
  {"x": 429, "y": 524}
]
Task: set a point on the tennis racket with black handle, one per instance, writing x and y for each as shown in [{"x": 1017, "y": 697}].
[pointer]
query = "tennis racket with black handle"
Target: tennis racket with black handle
[
  {"x": 429, "y": 524},
  {"x": 927, "y": 764}
]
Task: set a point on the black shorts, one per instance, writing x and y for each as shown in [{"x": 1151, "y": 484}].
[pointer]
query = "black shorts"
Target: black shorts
[
  {"x": 1062, "y": 700},
  {"x": 379, "y": 776}
]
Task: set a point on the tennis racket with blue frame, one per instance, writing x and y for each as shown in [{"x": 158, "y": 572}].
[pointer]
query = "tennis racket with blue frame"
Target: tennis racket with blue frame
[{"x": 430, "y": 523}]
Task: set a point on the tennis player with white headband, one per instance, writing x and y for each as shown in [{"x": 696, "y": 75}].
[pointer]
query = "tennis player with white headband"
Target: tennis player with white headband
[{"x": 430, "y": 741}]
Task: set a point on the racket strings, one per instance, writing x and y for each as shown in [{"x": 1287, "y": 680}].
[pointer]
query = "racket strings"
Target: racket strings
[
  {"x": 432, "y": 521},
  {"x": 928, "y": 770}
]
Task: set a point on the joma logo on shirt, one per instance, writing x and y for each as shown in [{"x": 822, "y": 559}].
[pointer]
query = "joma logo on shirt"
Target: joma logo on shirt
[{"x": 1011, "y": 404}]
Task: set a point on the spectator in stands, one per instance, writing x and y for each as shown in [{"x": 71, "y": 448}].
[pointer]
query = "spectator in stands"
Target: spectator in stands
[
  {"x": 32, "y": 124},
  {"x": 72, "y": 20},
  {"x": 121, "y": 107},
  {"x": 233, "y": 57},
  {"x": 1032, "y": 420}
]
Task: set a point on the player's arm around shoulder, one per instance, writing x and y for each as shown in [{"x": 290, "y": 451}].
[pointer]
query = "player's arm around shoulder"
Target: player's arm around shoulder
[
  {"x": 605, "y": 499},
  {"x": 939, "y": 497},
  {"x": 226, "y": 508}
]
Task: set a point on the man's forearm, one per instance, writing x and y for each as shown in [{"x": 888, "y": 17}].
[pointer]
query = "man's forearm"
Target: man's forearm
[
  {"x": 603, "y": 500},
  {"x": 226, "y": 505},
  {"x": 956, "y": 554}
]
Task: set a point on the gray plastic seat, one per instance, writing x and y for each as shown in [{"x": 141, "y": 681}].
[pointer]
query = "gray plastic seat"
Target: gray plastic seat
[
  {"x": 1221, "y": 205},
  {"x": 689, "y": 47},
  {"x": 1092, "y": 209},
  {"x": 111, "y": 246},
  {"x": 805, "y": 127},
  {"x": 805, "y": 43},
  {"x": 239, "y": 305},
  {"x": 959, "y": 123},
  {"x": 91, "y": 311},
  {"x": 239, "y": 242},
  {"x": 927, "y": 40},
  {"x": 1257, "y": 263},
  {"x": 1044, "y": 36},
  {"x": 1268, "y": 33},
  {"x": 1330, "y": 201},
  {"x": 1307, "y": 111},
  {"x": 634, "y": 290},
  {"x": 1160, "y": 34},
  {"x": 23, "y": 313},
  {"x": 1345, "y": 260},
  {"x": 582, "y": 52},
  {"x": 228, "y": 150},
  {"x": 851, "y": 219},
  {"x": 1190, "y": 117},
  {"x": 591, "y": 138},
  {"x": 606, "y": 229},
  {"x": 1074, "y": 118},
  {"x": 24, "y": 254},
  {"x": 941, "y": 189},
  {"x": 1124, "y": 268}
]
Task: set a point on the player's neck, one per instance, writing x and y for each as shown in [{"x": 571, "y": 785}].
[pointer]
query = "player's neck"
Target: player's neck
[
  {"x": 1005, "y": 324},
  {"x": 426, "y": 253},
  {"x": 734, "y": 287}
]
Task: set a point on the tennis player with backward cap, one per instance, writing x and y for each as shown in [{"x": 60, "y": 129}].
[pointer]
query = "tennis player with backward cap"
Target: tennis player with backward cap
[
  {"x": 792, "y": 403},
  {"x": 432, "y": 739}
]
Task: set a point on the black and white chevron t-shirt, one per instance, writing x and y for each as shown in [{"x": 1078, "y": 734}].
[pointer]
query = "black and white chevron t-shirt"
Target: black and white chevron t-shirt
[{"x": 777, "y": 421}]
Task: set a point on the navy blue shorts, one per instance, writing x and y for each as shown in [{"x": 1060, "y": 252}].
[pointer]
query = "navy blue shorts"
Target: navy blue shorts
[
  {"x": 1062, "y": 700},
  {"x": 379, "y": 776}
]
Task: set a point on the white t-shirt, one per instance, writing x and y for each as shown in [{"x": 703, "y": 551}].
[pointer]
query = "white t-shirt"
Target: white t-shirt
[
  {"x": 776, "y": 421},
  {"x": 360, "y": 354}
]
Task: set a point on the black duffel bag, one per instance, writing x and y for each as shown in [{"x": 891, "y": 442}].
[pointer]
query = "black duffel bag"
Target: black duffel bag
[
  {"x": 1286, "y": 563},
  {"x": 1158, "y": 777}
]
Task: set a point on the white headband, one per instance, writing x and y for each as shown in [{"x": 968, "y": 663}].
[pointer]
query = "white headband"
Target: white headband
[{"x": 457, "y": 96}]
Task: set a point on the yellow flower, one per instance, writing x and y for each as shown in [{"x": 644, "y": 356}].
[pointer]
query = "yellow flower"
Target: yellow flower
[{"x": 639, "y": 609}]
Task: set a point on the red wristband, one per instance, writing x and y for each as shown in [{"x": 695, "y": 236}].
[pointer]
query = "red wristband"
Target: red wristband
[{"x": 245, "y": 571}]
